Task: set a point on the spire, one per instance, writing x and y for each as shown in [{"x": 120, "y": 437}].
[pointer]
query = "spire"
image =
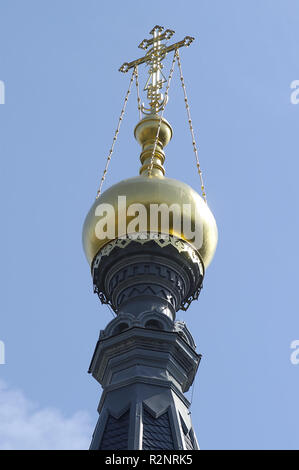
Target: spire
[{"x": 147, "y": 268}]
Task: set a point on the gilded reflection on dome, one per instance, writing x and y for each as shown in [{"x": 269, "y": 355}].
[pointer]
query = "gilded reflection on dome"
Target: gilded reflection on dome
[{"x": 149, "y": 191}]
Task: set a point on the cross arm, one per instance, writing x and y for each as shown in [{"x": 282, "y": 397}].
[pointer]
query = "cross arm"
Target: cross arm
[
  {"x": 128, "y": 65},
  {"x": 185, "y": 42}
]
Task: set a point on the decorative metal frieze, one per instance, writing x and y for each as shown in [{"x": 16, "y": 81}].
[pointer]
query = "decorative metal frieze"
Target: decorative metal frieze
[
  {"x": 145, "y": 289},
  {"x": 150, "y": 272},
  {"x": 144, "y": 237},
  {"x": 141, "y": 267}
]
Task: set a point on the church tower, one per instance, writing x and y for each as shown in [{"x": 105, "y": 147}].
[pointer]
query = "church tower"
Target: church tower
[{"x": 148, "y": 240}]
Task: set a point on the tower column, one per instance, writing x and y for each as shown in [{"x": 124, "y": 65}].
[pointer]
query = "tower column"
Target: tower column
[
  {"x": 144, "y": 359},
  {"x": 144, "y": 372}
]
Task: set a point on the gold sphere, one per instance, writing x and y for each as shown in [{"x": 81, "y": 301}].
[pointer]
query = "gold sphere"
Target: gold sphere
[{"x": 147, "y": 190}]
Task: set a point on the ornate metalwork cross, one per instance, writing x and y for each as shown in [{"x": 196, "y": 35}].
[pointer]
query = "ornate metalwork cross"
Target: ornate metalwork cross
[{"x": 154, "y": 58}]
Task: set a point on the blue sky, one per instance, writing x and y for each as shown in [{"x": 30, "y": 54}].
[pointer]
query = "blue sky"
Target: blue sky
[{"x": 59, "y": 61}]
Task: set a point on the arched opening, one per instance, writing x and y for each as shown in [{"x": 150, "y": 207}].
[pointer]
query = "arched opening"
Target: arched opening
[
  {"x": 120, "y": 328},
  {"x": 154, "y": 324}
]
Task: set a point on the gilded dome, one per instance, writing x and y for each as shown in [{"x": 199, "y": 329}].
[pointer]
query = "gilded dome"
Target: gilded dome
[
  {"x": 147, "y": 195},
  {"x": 189, "y": 207}
]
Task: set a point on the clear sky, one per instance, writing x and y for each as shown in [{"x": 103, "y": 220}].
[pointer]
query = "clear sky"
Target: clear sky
[{"x": 59, "y": 62}]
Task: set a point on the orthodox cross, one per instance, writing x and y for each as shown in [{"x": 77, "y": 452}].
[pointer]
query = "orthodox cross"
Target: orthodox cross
[{"x": 154, "y": 57}]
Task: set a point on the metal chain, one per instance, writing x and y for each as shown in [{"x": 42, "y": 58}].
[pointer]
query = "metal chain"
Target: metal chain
[
  {"x": 191, "y": 129},
  {"x": 162, "y": 112},
  {"x": 192, "y": 394},
  {"x": 116, "y": 133},
  {"x": 138, "y": 92}
]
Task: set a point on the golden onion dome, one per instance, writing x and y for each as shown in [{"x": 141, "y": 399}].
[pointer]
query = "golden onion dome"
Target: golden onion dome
[{"x": 121, "y": 202}]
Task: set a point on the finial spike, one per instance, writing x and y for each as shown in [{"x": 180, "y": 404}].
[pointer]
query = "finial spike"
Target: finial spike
[{"x": 157, "y": 28}]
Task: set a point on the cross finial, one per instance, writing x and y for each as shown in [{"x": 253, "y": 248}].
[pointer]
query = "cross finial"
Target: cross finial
[{"x": 154, "y": 57}]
